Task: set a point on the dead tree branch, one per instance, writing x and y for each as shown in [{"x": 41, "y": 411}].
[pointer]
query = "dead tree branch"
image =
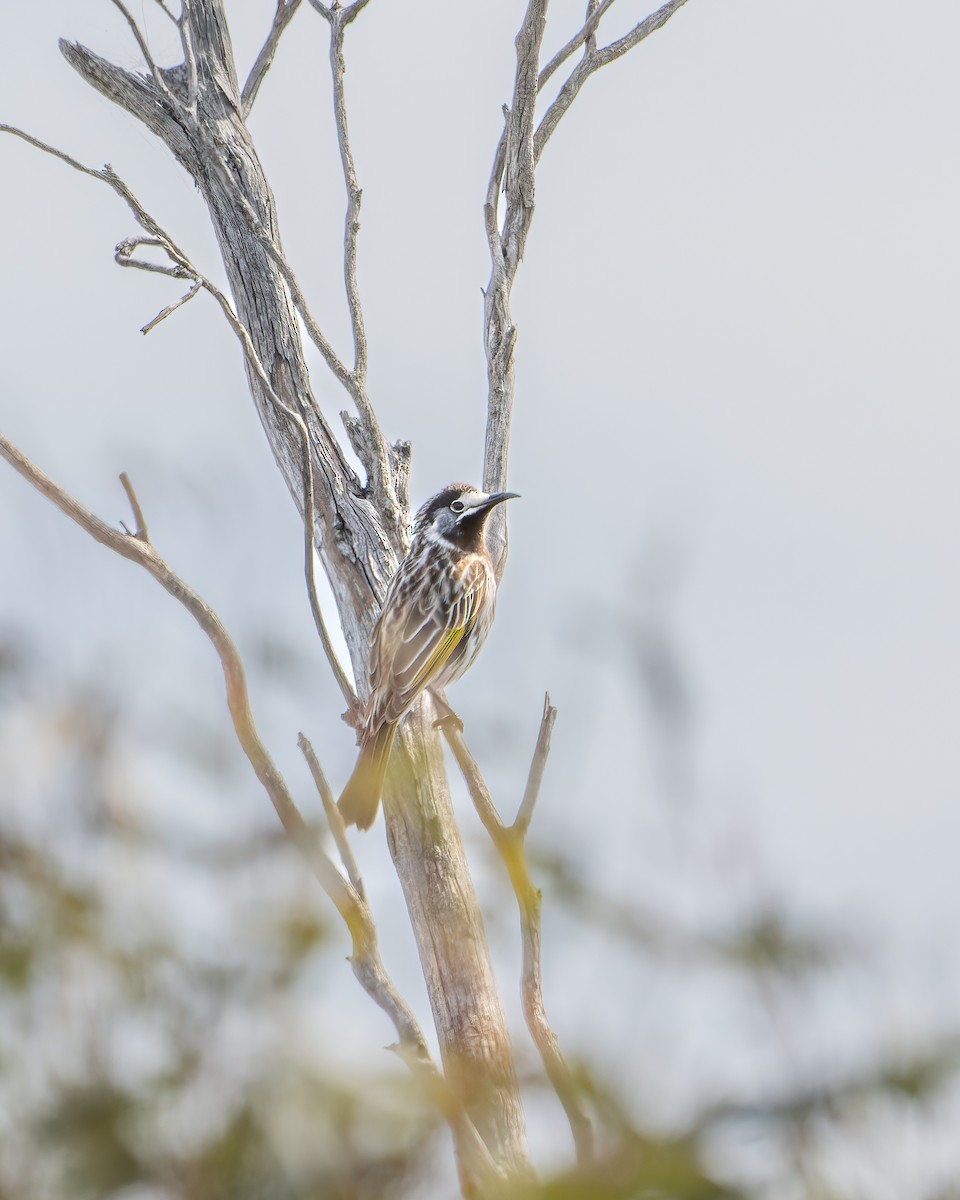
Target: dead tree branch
[
  {"x": 586, "y": 33},
  {"x": 348, "y": 899},
  {"x": 510, "y": 843},
  {"x": 183, "y": 268},
  {"x": 513, "y": 174},
  {"x": 334, "y": 819},
  {"x": 286, "y": 10},
  {"x": 513, "y": 170},
  {"x": 593, "y": 61}
]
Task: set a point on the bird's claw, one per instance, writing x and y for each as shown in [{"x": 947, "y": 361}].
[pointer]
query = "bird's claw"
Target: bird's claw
[{"x": 446, "y": 717}]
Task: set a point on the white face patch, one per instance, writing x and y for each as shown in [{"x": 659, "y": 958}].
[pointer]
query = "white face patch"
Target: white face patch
[{"x": 473, "y": 499}]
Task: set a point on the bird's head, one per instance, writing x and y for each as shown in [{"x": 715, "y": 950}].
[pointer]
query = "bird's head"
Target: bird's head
[{"x": 458, "y": 513}]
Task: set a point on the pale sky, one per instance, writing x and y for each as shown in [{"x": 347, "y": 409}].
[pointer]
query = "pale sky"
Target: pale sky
[{"x": 737, "y": 321}]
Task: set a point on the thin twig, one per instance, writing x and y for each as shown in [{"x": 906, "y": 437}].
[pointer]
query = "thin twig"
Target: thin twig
[
  {"x": 155, "y": 71},
  {"x": 161, "y": 4},
  {"x": 367, "y": 437},
  {"x": 171, "y": 308},
  {"x": 309, "y": 509},
  {"x": 37, "y": 144},
  {"x": 286, "y": 10},
  {"x": 309, "y": 497},
  {"x": 591, "y": 43},
  {"x": 354, "y": 195},
  {"x": 334, "y": 819},
  {"x": 510, "y": 843},
  {"x": 365, "y": 959},
  {"x": 124, "y": 252},
  {"x": 140, "y": 531},
  {"x": 535, "y": 778},
  {"x": 593, "y": 62},
  {"x": 492, "y": 205},
  {"x": 106, "y": 175},
  {"x": 371, "y": 445}
]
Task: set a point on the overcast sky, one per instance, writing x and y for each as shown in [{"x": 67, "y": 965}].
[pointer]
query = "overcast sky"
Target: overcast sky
[{"x": 737, "y": 356}]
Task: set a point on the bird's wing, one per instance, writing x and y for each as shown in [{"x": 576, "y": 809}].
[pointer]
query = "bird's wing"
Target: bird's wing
[{"x": 413, "y": 644}]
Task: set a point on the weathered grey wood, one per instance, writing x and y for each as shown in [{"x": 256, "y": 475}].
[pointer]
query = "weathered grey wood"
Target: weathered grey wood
[
  {"x": 359, "y": 536},
  {"x": 513, "y": 170}
]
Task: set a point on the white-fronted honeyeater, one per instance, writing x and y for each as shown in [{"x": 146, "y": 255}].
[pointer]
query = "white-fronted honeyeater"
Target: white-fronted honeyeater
[{"x": 436, "y": 615}]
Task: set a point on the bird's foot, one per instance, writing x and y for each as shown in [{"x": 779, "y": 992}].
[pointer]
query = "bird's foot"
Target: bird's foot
[
  {"x": 445, "y": 714},
  {"x": 353, "y": 717}
]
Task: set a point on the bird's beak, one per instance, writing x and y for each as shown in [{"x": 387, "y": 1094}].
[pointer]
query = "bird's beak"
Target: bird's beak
[{"x": 497, "y": 498}]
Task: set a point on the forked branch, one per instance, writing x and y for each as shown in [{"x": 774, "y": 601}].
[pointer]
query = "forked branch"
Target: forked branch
[
  {"x": 592, "y": 61},
  {"x": 512, "y": 174},
  {"x": 510, "y": 842}
]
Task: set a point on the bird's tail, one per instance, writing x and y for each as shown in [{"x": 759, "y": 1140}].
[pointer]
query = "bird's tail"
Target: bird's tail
[{"x": 361, "y": 797}]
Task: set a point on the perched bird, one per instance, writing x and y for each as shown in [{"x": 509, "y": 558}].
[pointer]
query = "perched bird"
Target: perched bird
[{"x": 436, "y": 615}]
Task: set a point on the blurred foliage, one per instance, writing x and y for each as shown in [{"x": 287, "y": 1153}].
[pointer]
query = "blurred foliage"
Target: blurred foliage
[{"x": 159, "y": 1035}]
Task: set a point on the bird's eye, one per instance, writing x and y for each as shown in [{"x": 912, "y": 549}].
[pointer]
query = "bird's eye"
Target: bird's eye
[{"x": 457, "y": 506}]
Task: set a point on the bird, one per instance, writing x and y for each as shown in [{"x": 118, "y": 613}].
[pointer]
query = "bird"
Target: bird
[{"x": 436, "y": 615}]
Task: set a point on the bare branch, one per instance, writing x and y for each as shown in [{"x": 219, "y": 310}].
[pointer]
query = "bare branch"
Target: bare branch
[
  {"x": 513, "y": 165},
  {"x": 155, "y": 71},
  {"x": 309, "y": 506},
  {"x": 352, "y": 11},
  {"x": 184, "y": 268},
  {"x": 591, "y": 43},
  {"x": 520, "y": 162},
  {"x": 584, "y": 36},
  {"x": 365, "y": 959},
  {"x": 35, "y": 142},
  {"x": 334, "y": 819},
  {"x": 310, "y": 563},
  {"x": 593, "y": 62},
  {"x": 517, "y": 153},
  {"x": 140, "y": 530},
  {"x": 124, "y": 252},
  {"x": 171, "y": 308},
  {"x": 286, "y": 9},
  {"x": 509, "y": 841},
  {"x": 535, "y": 778},
  {"x": 354, "y": 195},
  {"x": 138, "y": 95},
  {"x": 309, "y": 525},
  {"x": 138, "y": 549},
  {"x": 491, "y": 207}
]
